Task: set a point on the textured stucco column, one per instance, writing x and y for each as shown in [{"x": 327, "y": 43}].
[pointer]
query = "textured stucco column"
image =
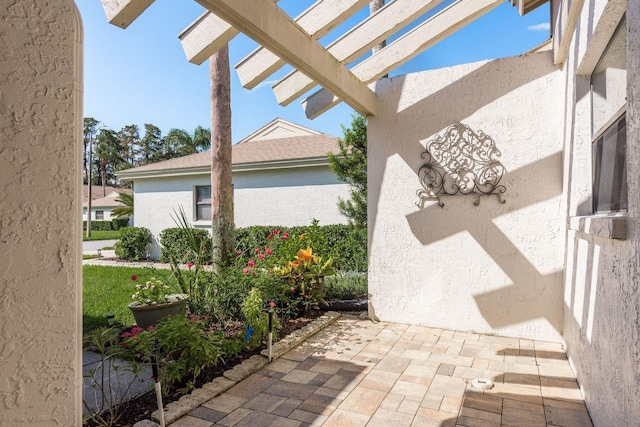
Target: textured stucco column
[{"x": 40, "y": 292}]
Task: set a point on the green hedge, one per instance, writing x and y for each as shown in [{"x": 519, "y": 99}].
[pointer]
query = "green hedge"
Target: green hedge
[
  {"x": 345, "y": 243},
  {"x": 118, "y": 223},
  {"x": 115, "y": 224},
  {"x": 175, "y": 244},
  {"x": 98, "y": 225}
]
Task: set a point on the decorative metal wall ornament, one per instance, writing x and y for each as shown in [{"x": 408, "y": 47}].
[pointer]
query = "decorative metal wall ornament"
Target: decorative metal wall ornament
[{"x": 460, "y": 162}]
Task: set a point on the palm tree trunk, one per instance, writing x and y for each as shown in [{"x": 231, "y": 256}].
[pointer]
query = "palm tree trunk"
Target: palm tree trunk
[{"x": 221, "y": 184}]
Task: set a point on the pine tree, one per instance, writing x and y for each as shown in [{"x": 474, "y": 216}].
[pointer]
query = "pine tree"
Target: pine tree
[{"x": 350, "y": 166}]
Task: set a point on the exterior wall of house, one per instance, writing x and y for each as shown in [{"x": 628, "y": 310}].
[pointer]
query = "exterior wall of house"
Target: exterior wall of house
[
  {"x": 493, "y": 268},
  {"x": 601, "y": 298},
  {"x": 106, "y": 212},
  {"x": 40, "y": 244},
  {"x": 270, "y": 197}
]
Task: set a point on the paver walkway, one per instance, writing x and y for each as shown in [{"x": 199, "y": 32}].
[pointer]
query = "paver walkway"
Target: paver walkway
[{"x": 359, "y": 373}]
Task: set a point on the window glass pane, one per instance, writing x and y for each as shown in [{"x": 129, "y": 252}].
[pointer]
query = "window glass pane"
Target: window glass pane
[
  {"x": 203, "y": 194},
  {"x": 609, "y": 80},
  {"x": 99, "y": 214},
  {"x": 203, "y": 203},
  {"x": 203, "y": 212},
  {"x": 610, "y": 171}
]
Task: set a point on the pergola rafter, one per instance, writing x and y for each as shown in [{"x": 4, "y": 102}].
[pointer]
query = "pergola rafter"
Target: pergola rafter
[
  {"x": 357, "y": 41},
  {"x": 267, "y": 24},
  {"x": 407, "y": 47},
  {"x": 284, "y": 40}
]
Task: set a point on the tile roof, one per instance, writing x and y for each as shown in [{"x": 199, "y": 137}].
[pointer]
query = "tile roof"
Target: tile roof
[
  {"x": 260, "y": 151},
  {"x": 96, "y": 191}
]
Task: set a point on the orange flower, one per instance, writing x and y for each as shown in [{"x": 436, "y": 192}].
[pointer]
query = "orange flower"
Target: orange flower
[{"x": 305, "y": 254}]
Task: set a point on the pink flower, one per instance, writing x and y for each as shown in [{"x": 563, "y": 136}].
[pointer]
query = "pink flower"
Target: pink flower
[
  {"x": 256, "y": 250},
  {"x": 251, "y": 263},
  {"x": 269, "y": 236},
  {"x": 269, "y": 251},
  {"x": 285, "y": 236},
  {"x": 245, "y": 271},
  {"x": 134, "y": 277},
  {"x": 276, "y": 231},
  {"x": 272, "y": 304},
  {"x": 261, "y": 256},
  {"x": 151, "y": 328},
  {"x": 190, "y": 265},
  {"x": 238, "y": 252}
]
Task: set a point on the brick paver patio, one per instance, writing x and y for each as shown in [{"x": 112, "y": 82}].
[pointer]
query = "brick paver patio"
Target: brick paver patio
[{"x": 359, "y": 373}]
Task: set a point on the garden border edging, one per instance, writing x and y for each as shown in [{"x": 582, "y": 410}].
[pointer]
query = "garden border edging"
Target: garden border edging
[{"x": 176, "y": 410}]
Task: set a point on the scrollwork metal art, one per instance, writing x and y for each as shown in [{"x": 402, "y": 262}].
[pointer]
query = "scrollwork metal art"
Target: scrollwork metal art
[{"x": 460, "y": 162}]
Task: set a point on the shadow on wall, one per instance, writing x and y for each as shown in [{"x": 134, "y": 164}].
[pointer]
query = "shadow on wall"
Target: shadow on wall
[
  {"x": 504, "y": 306},
  {"x": 531, "y": 184},
  {"x": 440, "y": 109}
]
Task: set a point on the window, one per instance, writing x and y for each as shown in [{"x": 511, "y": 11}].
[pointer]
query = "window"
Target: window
[
  {"x": 203, "y": 203},
  {"x": 99, "y": 214},
  {"x": 608, "y": 101}
]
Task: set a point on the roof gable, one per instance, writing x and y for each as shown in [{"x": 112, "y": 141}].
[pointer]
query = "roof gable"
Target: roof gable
[{"x": 279, "y": 129}]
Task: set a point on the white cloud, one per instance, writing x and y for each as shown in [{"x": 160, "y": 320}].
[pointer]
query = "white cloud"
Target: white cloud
[{"x": 545, "y": 26}]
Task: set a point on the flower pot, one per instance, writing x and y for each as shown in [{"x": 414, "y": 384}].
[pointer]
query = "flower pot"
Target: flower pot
[{"x": 148, "y": 315}]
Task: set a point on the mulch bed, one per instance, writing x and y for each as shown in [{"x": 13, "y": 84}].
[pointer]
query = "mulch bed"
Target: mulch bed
[{"x": 141, "y": 408}]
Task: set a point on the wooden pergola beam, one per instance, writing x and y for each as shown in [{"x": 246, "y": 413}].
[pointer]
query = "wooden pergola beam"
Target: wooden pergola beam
[
  {"x": 317, "y": 21},
  {"x": 407, "y": 47},
  {"x": 355, "y": 42},
  {"x": 264, "y": 22},
  {"x": 122, "y": 13},
  {"x": 205, "y": 36}
]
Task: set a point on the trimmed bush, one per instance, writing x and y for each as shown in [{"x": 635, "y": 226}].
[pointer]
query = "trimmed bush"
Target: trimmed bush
[
  {"x": 347, "y": 244},
  {"x": 175, "y": 243},
  {"x": 118, "y": 223},
  {"x": 133, "y": 243},
  {"x": 98, "y": 225}
]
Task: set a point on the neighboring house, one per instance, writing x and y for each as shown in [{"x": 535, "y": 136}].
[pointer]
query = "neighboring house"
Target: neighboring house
[
  {"x": 101, "y": 207},
  {"x": 281, "y": 176}
]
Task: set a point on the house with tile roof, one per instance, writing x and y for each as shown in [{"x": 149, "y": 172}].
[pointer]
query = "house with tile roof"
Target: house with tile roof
[
  {"x": 281, "y": 177},
  {"x": 101, "y": 206}
]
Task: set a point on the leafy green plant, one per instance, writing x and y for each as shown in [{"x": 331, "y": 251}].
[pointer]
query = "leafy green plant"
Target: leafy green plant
[
  {"x": 126, "y": 210},
  {"x": 254, "y": 312},
  {"x": 110, "y": 380},
  {"x": 346, "y": 285},
  {"x": 183, "y": 347},
  {"x": 133, "y": 243},
  {"x": 98, "y": 225}
]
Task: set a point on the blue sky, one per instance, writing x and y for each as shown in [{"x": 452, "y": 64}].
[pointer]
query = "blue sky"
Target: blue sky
[{"x": 141, "y": 75}]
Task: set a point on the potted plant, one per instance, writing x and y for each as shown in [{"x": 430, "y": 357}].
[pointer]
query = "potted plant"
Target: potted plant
[{"x": 151, "y": 302}]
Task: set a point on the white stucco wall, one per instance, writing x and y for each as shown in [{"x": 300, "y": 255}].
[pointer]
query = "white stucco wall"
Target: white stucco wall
[
  {"x": 494, "y": 268},
  {"x": 40, "y": 229},
  {"x": 284, "y": 197},
  {"x": 601, "y": 298}
]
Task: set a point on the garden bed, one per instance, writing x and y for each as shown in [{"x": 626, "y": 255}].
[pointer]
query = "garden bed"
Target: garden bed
[{"x": 141, "y": 408}]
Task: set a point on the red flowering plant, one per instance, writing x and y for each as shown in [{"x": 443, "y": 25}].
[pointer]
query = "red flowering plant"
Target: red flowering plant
[{"x": 291, "y": 259}]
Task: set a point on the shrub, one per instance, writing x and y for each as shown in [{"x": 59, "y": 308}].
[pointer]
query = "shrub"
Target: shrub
[
  {"x": 346, "y": 285},
  {"x": 118, "y": 223},
  {"x": 346, "y": 244},
  {"x": 175, "y": 244},
  {"x": 133, "y": 243},
  {"x": 98, "y": 225},
  {"x": 187, "y": 346}
]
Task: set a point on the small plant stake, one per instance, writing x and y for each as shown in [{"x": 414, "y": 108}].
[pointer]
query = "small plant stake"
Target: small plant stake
[
  {"x": 270, "y": 342},
  {"x": 158, "y": 387}
]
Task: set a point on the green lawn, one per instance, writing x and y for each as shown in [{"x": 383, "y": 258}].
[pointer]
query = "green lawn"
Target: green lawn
[
  {"x": 101, "y": 235},
  {"x": 108, "y": 290}
]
